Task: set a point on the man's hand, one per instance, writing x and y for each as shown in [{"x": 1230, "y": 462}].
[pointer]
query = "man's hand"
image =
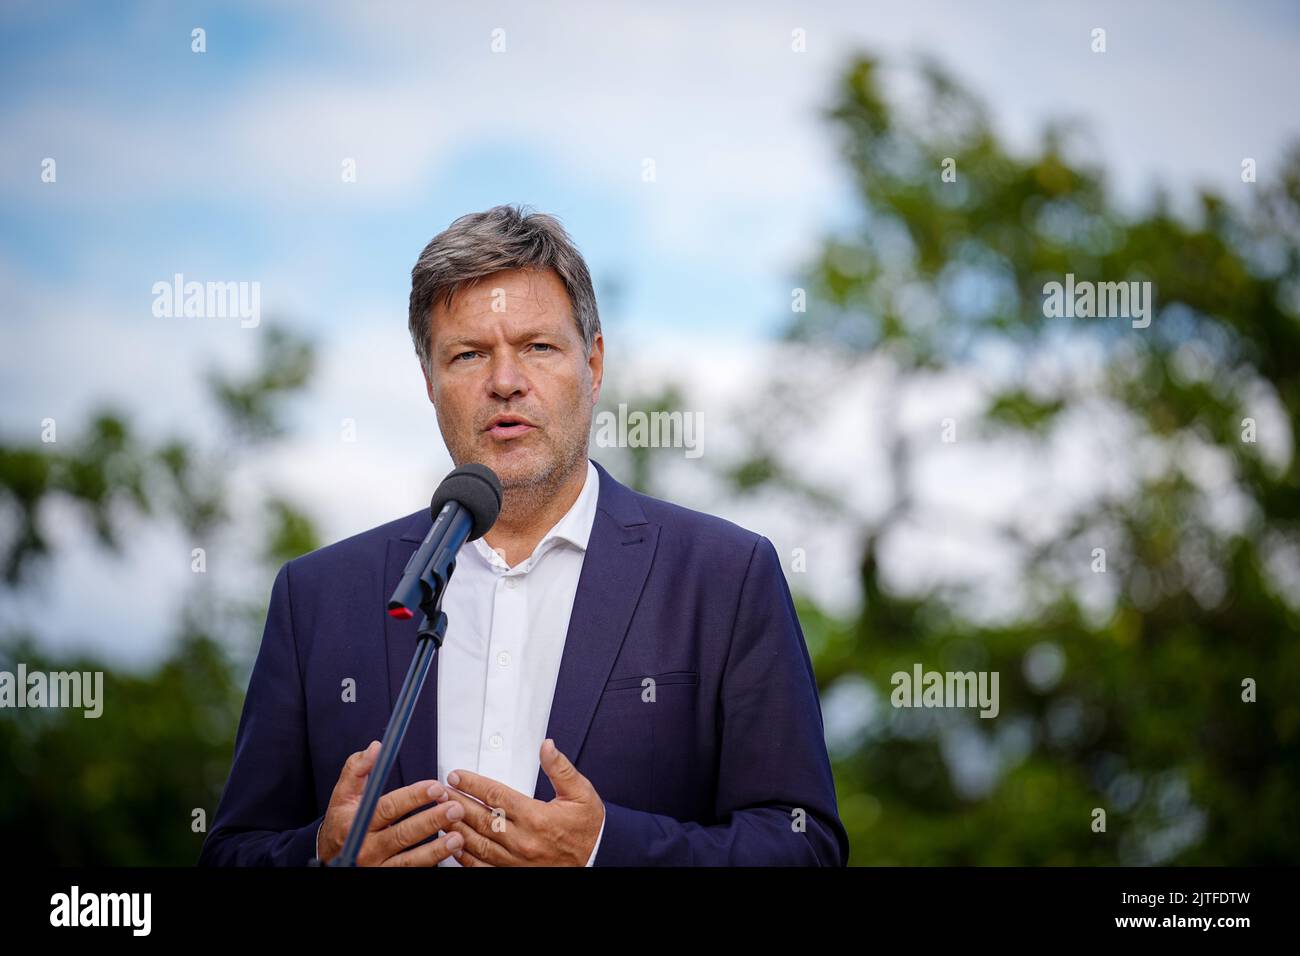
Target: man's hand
[
  {"x": 391, "y": 840},
  {"x": 503, "y": 827}
]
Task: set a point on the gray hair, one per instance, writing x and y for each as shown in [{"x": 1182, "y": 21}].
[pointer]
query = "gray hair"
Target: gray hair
[{"x": 481, "y": 243}]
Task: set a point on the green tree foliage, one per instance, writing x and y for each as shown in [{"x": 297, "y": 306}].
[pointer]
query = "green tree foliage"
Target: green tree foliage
[
  {"x": 1147, "y": 719},
  {"x": 138, "y": 784}
]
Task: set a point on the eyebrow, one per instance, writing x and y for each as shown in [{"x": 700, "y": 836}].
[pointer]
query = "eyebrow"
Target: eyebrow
[{"x": 462, "y": 342}]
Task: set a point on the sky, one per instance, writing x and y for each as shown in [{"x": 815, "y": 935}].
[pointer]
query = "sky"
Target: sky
[{"x": 225, "y": 165}]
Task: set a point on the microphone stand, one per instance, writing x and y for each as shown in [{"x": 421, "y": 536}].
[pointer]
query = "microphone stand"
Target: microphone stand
[
  {"x": 429, "y": 639},
  {"x": 427, "y": 573}
]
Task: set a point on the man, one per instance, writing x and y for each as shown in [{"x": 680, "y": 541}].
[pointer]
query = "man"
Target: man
[{"x": 623, "y": 681}]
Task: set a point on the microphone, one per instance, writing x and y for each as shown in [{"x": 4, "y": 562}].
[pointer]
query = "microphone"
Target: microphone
[{"x": 464, "y": 508}]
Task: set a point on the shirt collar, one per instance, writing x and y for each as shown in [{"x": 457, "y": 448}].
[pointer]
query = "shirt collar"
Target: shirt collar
[{"x": 574, "y": 527}]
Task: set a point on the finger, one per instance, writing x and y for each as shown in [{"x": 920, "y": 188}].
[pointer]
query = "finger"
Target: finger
[
  {"x": 481, "y": 849},
  {"x": 415, "y": 829},
  {"x": 396, "y": 804},
  {"x": 491, "y": 792},
  {"x": 352, "y": 780},
  {"x": 465, "y": 858},
  {"x": 430, "y": 854},
  {"x": 568, "y": 783},
  {"x": 495, "y": 825}
]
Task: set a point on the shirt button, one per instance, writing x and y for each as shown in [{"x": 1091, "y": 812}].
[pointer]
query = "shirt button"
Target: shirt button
[
  {"x": 504, "y": 658},
  {"x": 512, "y": 583},
  {"x": 495, "y": 741}
]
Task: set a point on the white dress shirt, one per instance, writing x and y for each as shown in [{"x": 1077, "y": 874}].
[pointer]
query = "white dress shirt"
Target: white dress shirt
[
  {"x": 500, "y": 660},
  {"x": 498, "y": 666}
]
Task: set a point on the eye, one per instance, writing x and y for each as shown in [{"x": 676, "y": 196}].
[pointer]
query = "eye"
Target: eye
[
  {"x": 543, "y": 345},
  {"x": 462, "y": 355}
]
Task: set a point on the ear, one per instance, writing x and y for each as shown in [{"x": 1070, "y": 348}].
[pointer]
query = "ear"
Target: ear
[
  {"x": 428, "y": 388},
  {"x": 596, "y": 363}
]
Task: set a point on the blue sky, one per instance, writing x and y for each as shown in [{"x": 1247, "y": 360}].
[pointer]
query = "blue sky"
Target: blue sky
[
  {"x": 226, "y": 166},
  {"x": 153, "y": 182}
]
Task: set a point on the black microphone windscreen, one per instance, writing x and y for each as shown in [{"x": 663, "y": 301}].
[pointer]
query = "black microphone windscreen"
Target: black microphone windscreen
[{"x": 477, "y": 488}]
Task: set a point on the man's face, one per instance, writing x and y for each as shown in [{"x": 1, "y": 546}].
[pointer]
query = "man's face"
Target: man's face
[{"x": 509, "y": 348}]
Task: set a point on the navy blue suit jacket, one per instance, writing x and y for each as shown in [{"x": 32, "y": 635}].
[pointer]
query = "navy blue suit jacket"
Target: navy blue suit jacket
[{"x": 726, "y": 767}]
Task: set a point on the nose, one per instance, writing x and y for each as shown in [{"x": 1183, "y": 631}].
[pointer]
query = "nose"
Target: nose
[{"x": 506, "y": 377}]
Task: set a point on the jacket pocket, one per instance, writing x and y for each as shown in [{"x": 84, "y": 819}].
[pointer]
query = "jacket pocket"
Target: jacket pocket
[{"x": 669, "y": 677}]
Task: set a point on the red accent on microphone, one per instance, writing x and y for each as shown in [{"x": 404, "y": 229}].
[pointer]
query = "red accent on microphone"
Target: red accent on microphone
[{"x": 401, "y": 613}]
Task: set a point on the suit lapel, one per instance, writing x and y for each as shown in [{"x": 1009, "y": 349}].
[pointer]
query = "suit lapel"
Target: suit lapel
[{"x": 614, "y": 570}]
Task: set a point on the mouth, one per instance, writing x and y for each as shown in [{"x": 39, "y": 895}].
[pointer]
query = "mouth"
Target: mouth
[{"x": 504, "y": 427}]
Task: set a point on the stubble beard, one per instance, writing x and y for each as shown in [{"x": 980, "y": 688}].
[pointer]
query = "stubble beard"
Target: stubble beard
[{"x": 527, "y": 495}]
